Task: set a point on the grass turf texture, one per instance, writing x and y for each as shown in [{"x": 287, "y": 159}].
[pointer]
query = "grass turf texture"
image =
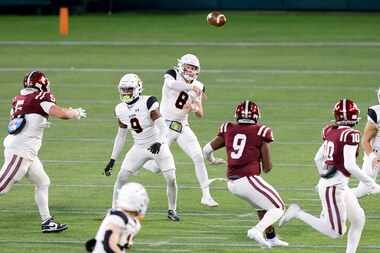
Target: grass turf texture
[{"x": 295, "y": 86}]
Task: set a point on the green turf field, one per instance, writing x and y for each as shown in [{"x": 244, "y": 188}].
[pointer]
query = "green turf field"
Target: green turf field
[{"x": 294, "y": 65}]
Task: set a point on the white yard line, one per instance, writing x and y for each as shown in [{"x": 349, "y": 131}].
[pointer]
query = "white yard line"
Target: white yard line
[
  {"x": 197, "y": 244},
  {"x": 365, "y": 44},
  {"x": 210, "y": 71}
]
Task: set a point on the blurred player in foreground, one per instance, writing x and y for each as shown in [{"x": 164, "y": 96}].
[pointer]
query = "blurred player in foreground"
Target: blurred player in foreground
[{"x": 122, "y": 223}]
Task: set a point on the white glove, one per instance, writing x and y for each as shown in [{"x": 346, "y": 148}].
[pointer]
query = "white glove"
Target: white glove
[
  {"x": 80, "y": 113},
  {"x": 217, "y": 161},
  {"x": 375, "y": 189}
]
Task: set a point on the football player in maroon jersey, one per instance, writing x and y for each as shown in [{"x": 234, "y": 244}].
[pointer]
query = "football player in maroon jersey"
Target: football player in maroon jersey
[
  {"x": 29, "y": 117},
  {"x": 247, "y": 146},
  {"x": 336, "y": 162}
]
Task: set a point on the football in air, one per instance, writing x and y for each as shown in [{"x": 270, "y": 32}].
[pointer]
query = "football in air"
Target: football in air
[{"x": 216, "y": 18}]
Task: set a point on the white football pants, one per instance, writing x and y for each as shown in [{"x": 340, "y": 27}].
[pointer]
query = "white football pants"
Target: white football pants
[
  {"x": 189, "y": 143},
  {"x": 338, "y": 204},
  {"x": 362, "y": 190},
  {"x": 133, "y": 161},
  {"x": 15, "y": 168},
  {"x": 261, "y": 195}
]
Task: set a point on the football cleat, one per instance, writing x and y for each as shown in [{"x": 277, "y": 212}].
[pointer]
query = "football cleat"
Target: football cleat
[
  {"x": 255, "y": 234},
  {"x": 172, "y": 215},
  {"x": 51, "y": 226},
  {"x": 209, "y": 201},
  {"x": 275, "y": 242},
  {"x": 289, "y": 214}
]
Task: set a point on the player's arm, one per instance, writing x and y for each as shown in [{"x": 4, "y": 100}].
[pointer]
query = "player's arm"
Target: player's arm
[
  {"x": 62, "y": 113},
  {"x": 370, "y": 132},
  {"x": 118, "y": 145},
  {"x": 112, "y": 238},
  {"x": 349, "y": 152},
  {"x": 319, "y": 160},
  {"x": 173, "y": 84},
  {"x": 209, "y": 148},
  {"x": 159, "y": 123},
  {"x": 265, "y": 156}
]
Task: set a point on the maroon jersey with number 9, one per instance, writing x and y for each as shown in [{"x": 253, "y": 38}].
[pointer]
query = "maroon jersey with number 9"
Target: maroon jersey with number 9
[
  {"x": 335, "y": 138},
  {"x": 243, "y": 143}
]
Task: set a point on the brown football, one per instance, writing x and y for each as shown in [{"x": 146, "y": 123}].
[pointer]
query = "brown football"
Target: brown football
[{"x": 216, "y": 18}]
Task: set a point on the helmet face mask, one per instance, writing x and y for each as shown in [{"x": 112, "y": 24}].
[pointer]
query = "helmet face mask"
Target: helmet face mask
[
  {"x": 133, "y": 198},
  {"x": 37, "y": 80},
  {"x": 189, "y": 67},
  {"x": 247, "y": 112},
  {"x": 346, "y": 113},
  {"x": 130, "y": 87}
]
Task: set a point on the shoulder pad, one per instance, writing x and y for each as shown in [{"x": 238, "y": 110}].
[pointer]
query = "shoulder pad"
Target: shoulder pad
[
  {"x": 223, "y": 127},
  {"x": 372, "y": 115},
  {"x": 326, "y": 129},
  {"x": 266, "y": 133},
  {"x": 172, "y": 73},
  {"x": 122, "y": 215},
  {"x": 150, "y": 101},
  {"x": 351, "y": 136}
]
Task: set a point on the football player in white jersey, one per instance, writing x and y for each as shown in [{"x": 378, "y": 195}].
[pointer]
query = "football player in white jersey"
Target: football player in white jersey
[
  {"x": 181, "y": 94},
  {"x": 141, "y": 115},
  {"x": 29, "y": 118},
  {"x": 371, "y": 146},
  {"x": 122, "y": 223}
]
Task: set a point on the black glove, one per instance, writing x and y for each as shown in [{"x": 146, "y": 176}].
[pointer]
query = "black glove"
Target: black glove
[
  {"x": 155, "y": 148},
  {"x": 108, "y": 168}
]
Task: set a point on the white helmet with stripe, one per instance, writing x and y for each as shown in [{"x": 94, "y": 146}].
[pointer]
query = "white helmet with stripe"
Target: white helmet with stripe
[
  {"x": 130, "y": 87},
  {"x": 189, "y": 67}
]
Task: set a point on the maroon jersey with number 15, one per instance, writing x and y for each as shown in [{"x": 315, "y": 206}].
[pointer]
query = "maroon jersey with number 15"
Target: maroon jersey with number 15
[{"x": 243, "y": 143}]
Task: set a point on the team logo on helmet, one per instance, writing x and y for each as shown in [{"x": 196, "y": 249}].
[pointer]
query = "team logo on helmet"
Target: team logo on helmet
[
  {"x": 130, "y": 87},
  {"x": 247, "y": 112},
  {"x": 37, "y": 80},
  {"x": 346, "y": 112}
]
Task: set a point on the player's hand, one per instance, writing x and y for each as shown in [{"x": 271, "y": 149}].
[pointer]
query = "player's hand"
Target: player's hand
[
  {"x": 375, "y": 189},
  {"x": 197, "y": 90},
  {"x": 80, "y": 113},
  {"x": 155, "y": 148},
  {"x": 187, "y": 107},
  {"x": 376, "y": 163},
  {"x": 108, "y": 168},
  {"x": 217, "y": 161}
]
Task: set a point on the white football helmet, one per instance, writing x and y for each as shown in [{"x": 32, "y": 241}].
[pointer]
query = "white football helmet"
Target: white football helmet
[
  {"x": 189, "y": 67},
  {"x": 133, "y": 197},
  {"x": 128, "y": 82}
]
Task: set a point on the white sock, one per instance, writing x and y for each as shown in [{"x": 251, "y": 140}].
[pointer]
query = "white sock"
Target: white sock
[
  {"x": 320, "y": 224},
  {"x": 171, "y": 189},
  {"x": 270, "y": 217},
  {"x": 120, "y": 181},
  {"x": 41, "y": 197},
  {"x": 355, "y": 231},
  {"x": 201, "y": 173}
]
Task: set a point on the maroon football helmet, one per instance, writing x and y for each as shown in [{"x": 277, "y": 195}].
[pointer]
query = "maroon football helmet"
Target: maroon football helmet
[
  {"x": 247, "y": 112},
  {"x": 37, "y": 80},
  {"x": 346, "y": 112}
]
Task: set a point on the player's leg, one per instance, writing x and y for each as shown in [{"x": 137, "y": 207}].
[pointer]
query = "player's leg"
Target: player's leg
[
  {"x": 152, "y": 165},
  {"x": 362, "y": 190},
  {"x": 166, "y": 163},
  {"x": 37, "y": 176},
  {"x": 132, "y": 162},
  {"x": 356, "y": 216},
  {"x": 333, "y": 218},
  {"x": 190, "y": 145},
  {"x": 13, "y": 170},
  {"x": 259, "y": 194},
  {"x": 270, "y": 233}
]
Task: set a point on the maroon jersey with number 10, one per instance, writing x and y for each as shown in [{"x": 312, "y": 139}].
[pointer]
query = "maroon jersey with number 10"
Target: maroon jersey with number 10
[
  {"x": 243, "y": 143},
  {"x": 335, "y": 138}
]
